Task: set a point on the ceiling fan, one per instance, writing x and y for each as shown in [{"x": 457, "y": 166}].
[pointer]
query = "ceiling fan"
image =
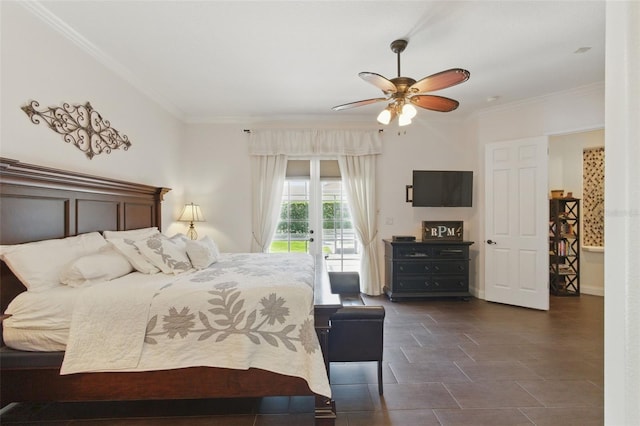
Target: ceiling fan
[{"x": 404, "y": 92}]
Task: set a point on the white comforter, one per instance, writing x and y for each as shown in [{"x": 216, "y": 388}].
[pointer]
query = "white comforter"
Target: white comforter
[{"x": 246, "y": 310}]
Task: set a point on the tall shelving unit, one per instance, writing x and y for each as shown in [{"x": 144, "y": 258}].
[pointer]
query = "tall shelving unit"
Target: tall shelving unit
[{"x": 564, "y": 246}]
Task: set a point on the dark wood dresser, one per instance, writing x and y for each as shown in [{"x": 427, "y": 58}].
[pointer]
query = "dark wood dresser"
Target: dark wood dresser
[{"x": 420, "y": 269}]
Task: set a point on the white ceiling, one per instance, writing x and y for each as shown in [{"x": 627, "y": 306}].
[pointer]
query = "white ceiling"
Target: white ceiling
[{"x": 270, "y": 60}]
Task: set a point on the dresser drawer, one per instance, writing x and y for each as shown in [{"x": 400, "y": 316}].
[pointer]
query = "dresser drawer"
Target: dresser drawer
[
  {"x": 450, "y": 283},
  {"x": 411, "y": 285},
  {"x": 453, "y": 267},
  {"x": 431, "y": 267},
  {"x": 413, "y": 252},
  {"x": 450, "y": 252},
  {"x": 431, "y": 284},
  {"x": 413, "y": 267}
]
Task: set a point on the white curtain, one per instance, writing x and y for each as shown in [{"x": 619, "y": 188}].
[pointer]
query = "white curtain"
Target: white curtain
[
  {"x": 307, "y": 143},
  {"x": 268, "y": 174},
  {"x": 359, "y": 177},
  {"x": 356, "y": 151}
]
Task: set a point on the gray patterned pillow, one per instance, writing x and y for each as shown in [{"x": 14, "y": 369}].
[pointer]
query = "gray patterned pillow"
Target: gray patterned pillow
[
  {"x": 168, "y": 254},
  {"x": 129, "y": 250},
  {"x": 203, "y": 252}
]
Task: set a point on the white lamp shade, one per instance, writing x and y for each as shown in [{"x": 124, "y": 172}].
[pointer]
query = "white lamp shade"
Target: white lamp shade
[
  {"x": 191, "y": 213},
  {"x": 385, "y": 116},
  {"x": 403, "y": 120},
  {"x": 409, "y": 111}
]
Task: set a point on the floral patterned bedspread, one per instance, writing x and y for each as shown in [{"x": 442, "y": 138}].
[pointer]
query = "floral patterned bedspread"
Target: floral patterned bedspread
[{"x": 246, "y": 310}]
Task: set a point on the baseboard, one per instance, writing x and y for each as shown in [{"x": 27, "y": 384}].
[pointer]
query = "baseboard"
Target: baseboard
[
  {"x": 475, "y": 293},
  {"x": 594, "y": 291}
]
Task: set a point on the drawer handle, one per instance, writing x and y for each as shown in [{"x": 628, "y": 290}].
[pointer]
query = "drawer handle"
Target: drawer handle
[
  {"x": 437, "y": 284},
  {"x": 426, "y": 268},
  {"x": 437, "y": 268},
  {"x": 415, "y": 254}
]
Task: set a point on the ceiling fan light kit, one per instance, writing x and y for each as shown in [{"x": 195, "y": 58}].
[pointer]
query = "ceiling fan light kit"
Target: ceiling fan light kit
[
  {"x": 403, "y": 93},
  {"x": 405, "y": 113},
  {"x": 386, "y": 115}
]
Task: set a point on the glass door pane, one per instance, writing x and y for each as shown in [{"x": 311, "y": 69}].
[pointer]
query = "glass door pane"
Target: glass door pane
[
  {"x": 292, "y": 233},
  {"x": 339, "y": 242}
]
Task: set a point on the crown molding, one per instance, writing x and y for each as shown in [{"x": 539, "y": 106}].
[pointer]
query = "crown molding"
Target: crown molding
[
  {"x": 587, "y": 88},
  {"x": 39, "y": 10}
]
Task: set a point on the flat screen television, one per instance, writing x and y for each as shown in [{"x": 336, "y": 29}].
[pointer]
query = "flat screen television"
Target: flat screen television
[{"x": 442, "y": 188}]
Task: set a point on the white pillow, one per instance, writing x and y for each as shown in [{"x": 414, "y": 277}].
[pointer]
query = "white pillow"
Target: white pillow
[
  {"x": 38, "y": 265},
  {"x": 133, "y": 234},
  {"x": 129, "y": 250},
  {"x": 203, "y": 252},
  {"x": 168, "y": 254},
  {"x": 105, "y": 265},
  {"x": 181, "y": 241}
]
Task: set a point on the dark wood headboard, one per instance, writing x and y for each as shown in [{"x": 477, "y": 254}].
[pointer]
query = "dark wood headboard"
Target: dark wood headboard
[{"x": 40, "y": 203}]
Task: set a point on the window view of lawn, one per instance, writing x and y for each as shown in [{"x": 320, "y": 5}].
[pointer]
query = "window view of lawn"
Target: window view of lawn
[
  {"x": 288, "y": 246},
  {"x": 293, "y": 247},
  {"x": 339, "y": 242}
]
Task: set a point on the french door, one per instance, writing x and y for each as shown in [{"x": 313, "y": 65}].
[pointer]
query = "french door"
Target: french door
[
  {"x": 296, "y": 229},
  {"x": 314, "y": 215}
]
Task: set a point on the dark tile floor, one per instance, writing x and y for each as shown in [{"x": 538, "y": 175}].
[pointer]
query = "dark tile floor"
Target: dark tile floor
[{"x": 447, "y": 362}]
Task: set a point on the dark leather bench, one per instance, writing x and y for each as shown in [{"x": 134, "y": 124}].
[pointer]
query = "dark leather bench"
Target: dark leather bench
[
  {"x": 347, "y": 285},
  {"x": 357, "y": 330}
]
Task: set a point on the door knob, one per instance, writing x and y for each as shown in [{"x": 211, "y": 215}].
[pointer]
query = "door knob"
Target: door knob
[{"x": 491, "y": 242}]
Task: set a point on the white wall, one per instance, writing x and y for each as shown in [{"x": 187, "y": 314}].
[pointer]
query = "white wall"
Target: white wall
[
  {"x": 565, "y": 172},
  {"x": 216, "y": 175},
  {"x": 622, "y": 216},
  {"x": 430, "y": 143},
  {"x": 559, "y": 113},
  {"x": 39, "y": 63}
]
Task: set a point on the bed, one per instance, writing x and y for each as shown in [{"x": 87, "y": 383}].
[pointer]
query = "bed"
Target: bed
[{"x": 39, "y": 203}]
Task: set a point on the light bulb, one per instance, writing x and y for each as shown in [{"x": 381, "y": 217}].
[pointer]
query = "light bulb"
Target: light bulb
[
  {"x": 409, "y": 111},
  {"x": 385, "y": 116},
  {"x": 404, "y": 119}
]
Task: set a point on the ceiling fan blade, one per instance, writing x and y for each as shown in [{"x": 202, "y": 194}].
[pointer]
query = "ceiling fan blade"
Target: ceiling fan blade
[
  {"x": 358, "y": 103},
  {"x": 434, "y": 103},
  {"x": 379, "y": 81},
  {"x": 440, "y": 80}
]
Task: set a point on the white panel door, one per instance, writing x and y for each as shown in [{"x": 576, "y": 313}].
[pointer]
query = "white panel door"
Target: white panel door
[{"x": 516, "y": 223}]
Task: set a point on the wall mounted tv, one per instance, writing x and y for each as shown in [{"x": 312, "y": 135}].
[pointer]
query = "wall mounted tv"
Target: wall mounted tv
[{"x": 441, "y": 188}]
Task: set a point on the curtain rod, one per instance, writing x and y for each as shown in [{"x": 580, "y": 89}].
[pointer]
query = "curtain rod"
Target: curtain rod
[{"x": 249, "y": 130}]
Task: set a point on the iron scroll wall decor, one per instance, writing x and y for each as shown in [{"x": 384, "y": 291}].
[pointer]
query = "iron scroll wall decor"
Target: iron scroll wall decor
[{"x": 81, "y": 126}]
